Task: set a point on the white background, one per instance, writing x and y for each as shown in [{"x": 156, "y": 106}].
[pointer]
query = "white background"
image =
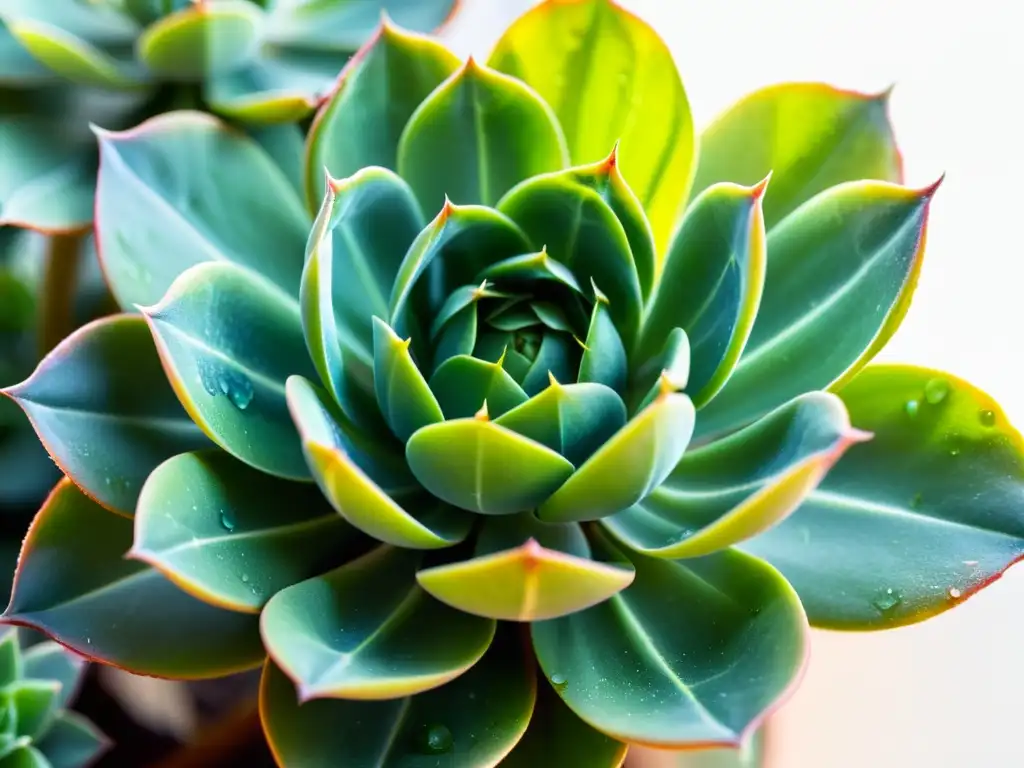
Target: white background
[{"x": 947, "y": 692}]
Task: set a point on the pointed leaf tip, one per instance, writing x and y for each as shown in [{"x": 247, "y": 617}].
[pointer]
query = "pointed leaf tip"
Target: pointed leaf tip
[
  {"x": 757, "y": 191},
  {"x": 928, "y": 191},
  {"x": 482, "y": 414}
]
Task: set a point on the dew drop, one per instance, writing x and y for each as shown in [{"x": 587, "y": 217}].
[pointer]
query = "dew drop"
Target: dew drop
[
  {"x": 245, "y": 578},
  {"x": 438, "y": 740},
  {"x": 911, "y": 407},
  {"x": 954, "y": 451},
  {"x": 954, "y": 593},
  {"x": 559, "y": 681},
  {"x": 227, "y": 521},
  {"x": 987, "y": 418},
  {"x": 935, "y": 390},
  {"x": 887, "y": 600},
  {"x": 971, "y": 563}
]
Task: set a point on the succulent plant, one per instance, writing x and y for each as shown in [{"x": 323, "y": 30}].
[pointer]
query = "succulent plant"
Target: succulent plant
[
  {"x": 36, "y": 728},
  {"x": 67, "y": 63},
  {"x": 533, "y": 433}
]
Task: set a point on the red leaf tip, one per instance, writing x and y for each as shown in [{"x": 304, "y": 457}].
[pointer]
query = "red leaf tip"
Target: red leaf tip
[
  {"x": 532, "y": 552},
  {"x": 928, "y": 192},
  {"x": 757, "y": 191}
]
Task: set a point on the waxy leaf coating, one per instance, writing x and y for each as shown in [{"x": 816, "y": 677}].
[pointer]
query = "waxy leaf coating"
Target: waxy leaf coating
[{"x": 367, "y": 631}]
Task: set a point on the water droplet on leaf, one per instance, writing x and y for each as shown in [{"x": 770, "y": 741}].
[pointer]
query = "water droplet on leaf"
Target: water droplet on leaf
[
  {"x": 954, "y": 593},
  {"x": 935, "y": 391},
  {"x": 437, "y": 740},
  {"x": 988, "y": 418},
  {"x": 559, "y": 681},
  {"x": 911, "y": 408},
  {"x": 887, "y": 600},
  {"x": 227, "y": 521},
  {"x": 245, "y": 578}
]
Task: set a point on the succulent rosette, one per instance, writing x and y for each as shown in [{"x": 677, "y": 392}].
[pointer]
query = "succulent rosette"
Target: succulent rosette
[
  {"x": 37, "y": 730},
  {"x": 531, "y": 433},
  {"x": 67, "y": 63}
]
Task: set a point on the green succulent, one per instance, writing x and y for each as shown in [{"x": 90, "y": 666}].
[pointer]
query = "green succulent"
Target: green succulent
[
  {"x": 36, "y": 728},
  {"x": 65, "y": 64},
  {"x": 533, "y": 432}
]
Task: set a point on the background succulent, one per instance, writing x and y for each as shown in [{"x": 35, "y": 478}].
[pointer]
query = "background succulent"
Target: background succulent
[
  {"x": 36, "y": 728},
  {"x": 588, "y": 412}
]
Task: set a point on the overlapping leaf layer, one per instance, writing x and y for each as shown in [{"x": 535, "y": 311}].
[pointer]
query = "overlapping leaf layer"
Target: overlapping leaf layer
[{"x": 528, "y": 429}]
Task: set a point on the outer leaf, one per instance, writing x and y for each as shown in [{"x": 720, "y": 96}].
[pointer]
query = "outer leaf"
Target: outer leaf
[
  {"x": 72, "y": 741},
  {"x": 74, "y": 584},
  {"x": 46, "y": 179},
  {"x": 25, "y": 757},
  {"x": 50, "y": 661},
  {"x": 579, "y": 229},
  {"x": 911, "y": 523},
  {"x": 102, "y": 406},
  {"x": 556, "y": 736},
  {"x": 228, "y": 341},
  {"x": 847, "y": 259},
  {"x": 171, "y": 194},
  {"x": 475, "y": 137},
  {"x": 463, "y": 384},
  {"x": 711, "y": 285},
  {"x": 521, "y": 572},
  {"x": 11, "y": 663},
  {"x": 342, "y": 27},
  {"x": 671, "y": 367},
  {"x": 362, "y": 120},
  {"x": 810, "y": 135},
  {"x": 450, "y": 252},
  {"x": 733, "y": 489},
  {"x": 231, "y": 535},
  {"x": 365, "y": 482},
  {"x": 608, "y": 75},
  {"x": 279, "y": 87},
  {"x": 630, "y": 465},
  {"x": 471, "y": 722},
  {"x": 485, "y": 468},
  {"x": 675, "y": 630},
  {"x": 202, "y": 39},
  {"x": 405, "y": 399},
  {"x": 573, "y": 419},
  {"x": 366, "y": 631}
]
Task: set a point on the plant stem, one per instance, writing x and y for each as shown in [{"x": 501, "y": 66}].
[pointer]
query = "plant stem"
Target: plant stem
[{"x": 57, "y": 301}]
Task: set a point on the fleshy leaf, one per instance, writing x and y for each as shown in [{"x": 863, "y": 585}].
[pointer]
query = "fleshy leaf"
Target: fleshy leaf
[
  {"x": 36, "y": 704},
  {"x": 367, "y": 631},
  {"x": 365, "y": 482},
  {"x": 405, "y": 399},
  {"x": 608, "y": 76},
  {"x": 631, "y": 464},
  {"x": 51, "y": 661},
  {"x": 915, "y": 521},
  {"x": 580, "y": 230},
  {"x": 228, "y": 341},
  {"x": 811, "y": 136},
  {"x": 23, "y": 756},
  {"x": 604, "y": 356},
  {"x": 529, "y": 267},
  {"x": 475, "y": 137},
  {"x": 556, "y": 736},
  {"x": 46, "y": 178},
  {"x": 670, "y": 367},
  {"x": 710, "y": 285},
  {"x": 362, "y": 120},
  {"x": 72, "y": 741},
  {"x": 572, "y": 419},
  {"x": 74, "y": 583},
  {"x": 455, "y": 247},
  {"x": 474, "y": 720},
  {"x": 342, "y": 27},
  {"x": 231, "y": 535},
  {"x": 675, "y": 629},
  {"x": 102, "y": 406},
  {"x": 847, "y": 259},
  {"x": 730, "y": 490},
  {"x": 171, "y": 194},
  {"x": 522, "y": 576},
  {"x": 11, "y": 662},
  {"x": 478, "y": 465},
  {"x": 279, "y": 87},
  {"x": 202, "y": 39},
  {"x": 462, "y": 385}
]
